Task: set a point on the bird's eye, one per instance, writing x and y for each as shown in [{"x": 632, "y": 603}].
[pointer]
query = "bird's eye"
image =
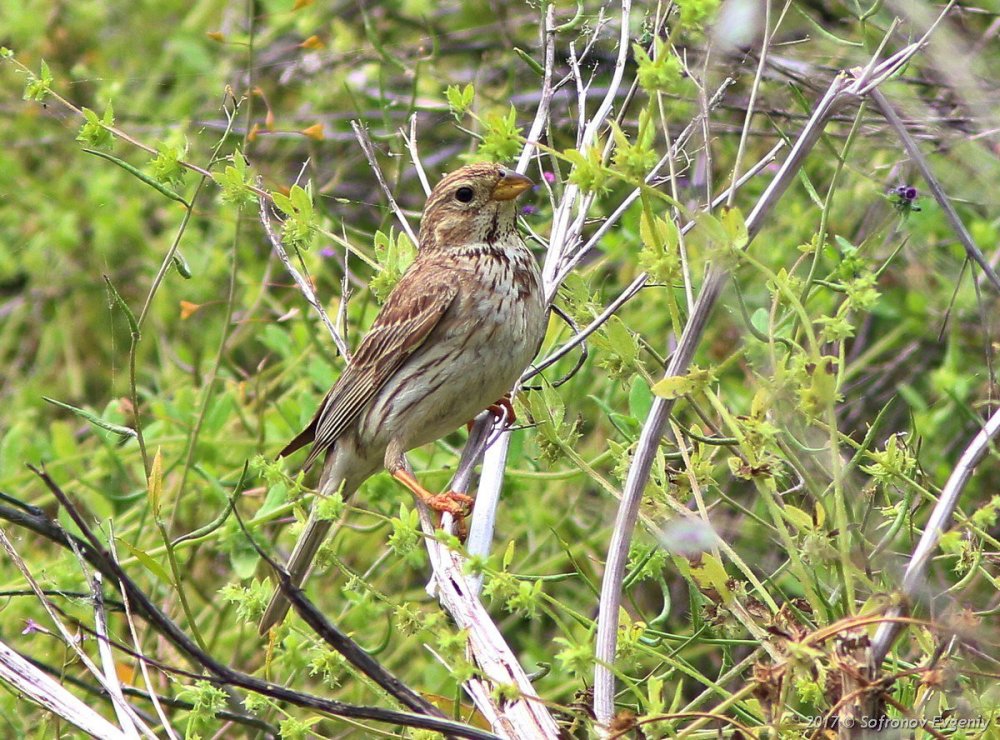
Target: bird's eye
[{"x": 464, "y": 194}]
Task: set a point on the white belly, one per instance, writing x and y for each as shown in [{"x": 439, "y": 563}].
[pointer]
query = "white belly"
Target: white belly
[{"x": 440, "y": 388}]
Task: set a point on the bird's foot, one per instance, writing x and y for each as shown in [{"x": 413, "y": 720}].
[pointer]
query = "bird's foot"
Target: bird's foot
[
  {"x": 457, "y": 504},
  {"x": 502, "y": 410}
]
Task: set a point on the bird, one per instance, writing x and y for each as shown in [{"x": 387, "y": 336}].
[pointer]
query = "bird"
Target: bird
[{"x": 453, "y": 335}]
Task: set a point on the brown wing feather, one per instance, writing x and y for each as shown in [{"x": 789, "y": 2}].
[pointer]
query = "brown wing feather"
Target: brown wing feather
[{"x": 412, "y": 310}]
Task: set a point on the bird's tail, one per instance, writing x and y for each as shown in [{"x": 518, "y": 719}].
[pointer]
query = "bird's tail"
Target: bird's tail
[{"x": 300, "y": 561}]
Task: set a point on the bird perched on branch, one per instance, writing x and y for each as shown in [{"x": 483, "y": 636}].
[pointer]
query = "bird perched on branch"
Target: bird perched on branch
[{"x": 453, "y": 336}]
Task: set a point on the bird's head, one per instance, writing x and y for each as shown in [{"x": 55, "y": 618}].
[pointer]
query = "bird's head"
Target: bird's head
[{"x": 472, "y": 205}]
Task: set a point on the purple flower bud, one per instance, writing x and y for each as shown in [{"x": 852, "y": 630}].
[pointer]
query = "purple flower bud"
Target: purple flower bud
[
  {"x": 327, "y": 252},
  {"x": 910, "y": 194},
  {"x": 529, "y": 210},
  {"x": 549, "y": 177}
]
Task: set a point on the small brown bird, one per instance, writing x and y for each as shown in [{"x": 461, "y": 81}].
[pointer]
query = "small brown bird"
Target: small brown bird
[{"x": 453, "y": 336}]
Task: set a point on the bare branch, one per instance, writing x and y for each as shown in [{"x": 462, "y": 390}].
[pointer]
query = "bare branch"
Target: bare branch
[
  {"x": 971, "y": 249},
  {"x": 411, "y": 145},
  {"x": 307, "y": 291},
  {"x": 34, "y": 519},
  {"x": 108, "y": 659},
  {"x": 369, "y": 149},
  {"x": 37, "y": 686},
  {"x": 916, "y": 572},
  {"x": 842, "y": 89},
  {"x": 121, "y": 706}
]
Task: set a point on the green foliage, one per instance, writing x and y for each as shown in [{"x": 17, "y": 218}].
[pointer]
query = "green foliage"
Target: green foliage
[
  {"x": 38, "y": 87},
  {"x": 502, "y": 138},
  {"x": 696, "y": 13},
  {"x": 620, "y": 349},
  {"x": 660, "y": 255},
  {"x": 405, "y": 532},
  {"x": 394, "y": 252},
  {"x": 634, "y": 159},
  {"x": 166, "y": 166},
  {"x": 847, "y": 364},
  {"x": 235, "y": 181},
  {"x": 299, "y": 227},
  {"x": 207, "y": 700},
  {"x": 588, "y": 172},
  {"x": 95, "y": 132},
  {"x": 250, "y": 600},
  {"x": 659, "y": 73},
  {"x": 460, "y": 99}
]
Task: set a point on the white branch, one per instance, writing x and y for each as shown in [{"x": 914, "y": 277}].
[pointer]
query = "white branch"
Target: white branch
[
  {"x": 42, "y": 688},
  {"x": 914, "y": 579}
]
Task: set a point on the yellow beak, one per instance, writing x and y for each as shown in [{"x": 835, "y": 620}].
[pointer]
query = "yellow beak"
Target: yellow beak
[{"x": 511, "y": 185}]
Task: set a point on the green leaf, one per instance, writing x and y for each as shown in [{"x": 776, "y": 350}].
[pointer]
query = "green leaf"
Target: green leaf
[
  {"x": 137, "y": 173},
  {"x": 711, "y": 574},
  {"x": 508, "y": 555},
  {"x": 800, "y": 519},
  {"x": 96, "y": 132},
  {"x": 735, "y": 227},
  {"x": 659, "y": 74},
  {"x": 147, "y": 561},
  {"x": 235, "y": 181},
  {"x": 133, "y": 324},
  {"x": 675, "y": 386},
  {"x": 124, "y": 433},
  {"x": 761, "y": 320},
  {"x": 672, "y": 387},
  {"x": 460, "y": 99},
  {"x": 37, "y": 88},
  {"x": 243, "y": 557},
  {"x": 154, "y": 484},
  {"x": 622, "y": 341},
  {"x": 166, "y": 168},
  {"x": 502, "y": 138},
  {"x": 640, "y": 399}
]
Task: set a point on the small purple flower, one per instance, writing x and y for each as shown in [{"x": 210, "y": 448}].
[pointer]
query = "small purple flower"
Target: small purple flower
[
  {"x": 549, "y": 177},
  {"x": 327, "y": 252},
  {"x": 529, "y": 210},
  {"x": 903, "y": 199}
]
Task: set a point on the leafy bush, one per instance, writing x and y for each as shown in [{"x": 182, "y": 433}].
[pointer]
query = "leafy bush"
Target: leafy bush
[{"x": 846, "y": 367}]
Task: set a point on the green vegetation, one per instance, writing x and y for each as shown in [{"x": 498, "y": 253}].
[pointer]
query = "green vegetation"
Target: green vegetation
[{"x": 156, "y": 354}]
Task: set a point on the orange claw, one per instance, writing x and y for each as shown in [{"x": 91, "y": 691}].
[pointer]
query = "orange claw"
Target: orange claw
[
  {"x": 502, "y": 409},
  {"x": 455, "y": 503},
  {"x": 459, "y": 505}
]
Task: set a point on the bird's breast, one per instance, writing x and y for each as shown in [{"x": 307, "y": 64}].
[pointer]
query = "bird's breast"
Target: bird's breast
[{"x": 475, "y": 354}]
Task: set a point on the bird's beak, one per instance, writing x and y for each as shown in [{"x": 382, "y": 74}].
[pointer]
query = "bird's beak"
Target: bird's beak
[{"x": 511, "y": 185}]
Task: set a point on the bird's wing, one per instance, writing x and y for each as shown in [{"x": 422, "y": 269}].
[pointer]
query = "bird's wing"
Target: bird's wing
[{"x": 412, "y": 310}]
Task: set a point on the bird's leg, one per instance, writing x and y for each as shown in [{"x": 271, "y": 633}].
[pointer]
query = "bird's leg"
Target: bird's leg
[
  {"x": 501, "y": 409},
  {"x": 453, "y": 502}
]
